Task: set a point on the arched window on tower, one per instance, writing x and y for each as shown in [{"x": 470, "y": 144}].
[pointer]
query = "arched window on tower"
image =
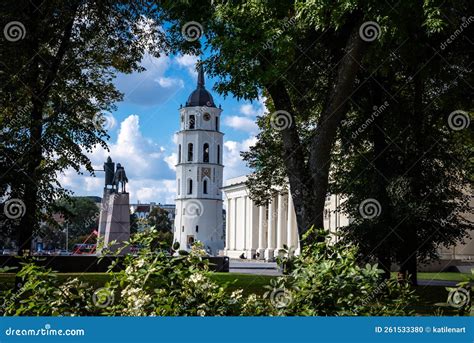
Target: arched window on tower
[
  {"x": 217, "y": 123},
  {"x": 179, "y": 153},
  {"x": 218, "y": 154},
  {"x": 190, "y": 186},
  {"x": 204, "y": 186},
  {"x": 190, "y": 152},
  {"x": 205, "y": 153},
  {"x": 179, "y": 186},
  {"x": 192, "y": 121}
]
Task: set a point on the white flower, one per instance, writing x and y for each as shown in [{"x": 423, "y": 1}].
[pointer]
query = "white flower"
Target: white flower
[
  {"x": 140, "y": 263},
  {"x": 196, "y": 278}
]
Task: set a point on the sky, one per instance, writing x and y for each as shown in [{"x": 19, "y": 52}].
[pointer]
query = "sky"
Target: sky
[{"x": 142, "y": 130}]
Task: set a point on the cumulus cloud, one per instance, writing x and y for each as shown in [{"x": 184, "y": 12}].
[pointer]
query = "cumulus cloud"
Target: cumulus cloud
[
  {"x": 234, "y": 165},
  {"x": 150, "y": 87},
  {"x": 246, "y": 119},
  {"x": 241, "y": 123},
  {"x": 189, "y": 63},
  {"x": 146, "y": 164}
]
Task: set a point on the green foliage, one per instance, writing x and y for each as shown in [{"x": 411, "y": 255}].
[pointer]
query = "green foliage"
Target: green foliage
[
  {"x": 158, "y": 219},
  {"x": 327, "y": 280},
  {"x": 460, "y": 297},
  {"x": 55, "y": 86},
  {"x": 81, "y": 216}
]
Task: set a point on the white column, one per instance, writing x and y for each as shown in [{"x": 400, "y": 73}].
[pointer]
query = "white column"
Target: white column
[
  {"x": 269, "y": 252},
  {"x": 289, "y": 222},
  {"x": 234, "y": 223},
  {"x": 262, "y": 223},
  {"x": 227, "y": 227},
  {"x": 281, "y": 222},
  {"x": 245, "y": 222},
  {"x": 248, "y": 224}
]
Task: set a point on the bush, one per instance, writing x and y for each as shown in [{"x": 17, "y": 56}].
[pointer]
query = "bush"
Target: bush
[{"x": 324, "y": 280}]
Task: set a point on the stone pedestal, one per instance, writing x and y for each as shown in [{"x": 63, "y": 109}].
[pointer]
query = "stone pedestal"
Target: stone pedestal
[
  {"x": 117, "y": 226},
  {"x": 104, "y": 211}
]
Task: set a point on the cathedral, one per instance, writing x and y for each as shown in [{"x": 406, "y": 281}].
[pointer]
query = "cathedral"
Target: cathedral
[
  {"x": 251, "y": 232},
  {"x": 199, "y": 212}
]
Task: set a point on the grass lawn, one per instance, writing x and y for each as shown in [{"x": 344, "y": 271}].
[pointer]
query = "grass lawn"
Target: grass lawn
[
  {"x": 428, "y": 295},
  {"x": 444, "y": 276}
]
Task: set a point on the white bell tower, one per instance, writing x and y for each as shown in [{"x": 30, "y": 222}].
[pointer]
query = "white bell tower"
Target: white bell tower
[{"x": 199, "y": 170}]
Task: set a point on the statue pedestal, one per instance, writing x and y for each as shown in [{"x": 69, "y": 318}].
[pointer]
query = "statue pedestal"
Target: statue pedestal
[
  {"x": 117, "y": 226},
  {"x": 104, "y": 211}
]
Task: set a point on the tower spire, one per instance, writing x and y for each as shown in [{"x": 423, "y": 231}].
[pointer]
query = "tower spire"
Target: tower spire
[{"x": 200, "y": 82}]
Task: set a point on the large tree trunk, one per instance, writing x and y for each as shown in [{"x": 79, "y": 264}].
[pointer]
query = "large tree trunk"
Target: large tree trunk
[
  {"x": 383, "y": 252},
  {"x": 309, "y": 182},
  {"x": 294, "y": 160},
  {"x": 331, "y": 116},
  {"x": 39, "y": 96}
]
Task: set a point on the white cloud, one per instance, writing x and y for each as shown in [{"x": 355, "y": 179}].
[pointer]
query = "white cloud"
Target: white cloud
[
  {"x": 248, "y": 110},
  {"x": 241, "y": 123},
  {"x": 150, "y": 190},
  {"x": 188, "y": 62},
  {"x": 145, "y": 162},
  {"x": 168, "y": 82},
  {"x": 151, "y": 86},
  {"x": 246, "y": 120},
  {"x": 171, "y": 160},
  {"x": 234, "y": 165}
]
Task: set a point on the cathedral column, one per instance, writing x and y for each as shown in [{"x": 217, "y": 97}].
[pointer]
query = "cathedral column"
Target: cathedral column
[
  {"x": 253, "y": 229},
  {"x": 234, "y": 223},
  {"x": 269, "y": 252},
  {"x": 227, "y": 226},
  {"x": 262, "y": 223},
  {"x": 281, "y": 223},
  {"x": 289, "y": 222}
]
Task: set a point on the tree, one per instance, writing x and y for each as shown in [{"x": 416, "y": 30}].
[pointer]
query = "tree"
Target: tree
[
  {"x": 404, "y": 160},
  {"x": 57, "y": 65},
  {"x": 81, "y": 216},
  {"x": 158, "y": 219},
  {"x": 307, "y": 57}
]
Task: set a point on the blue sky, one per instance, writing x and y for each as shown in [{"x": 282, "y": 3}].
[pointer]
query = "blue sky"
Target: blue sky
[{"x": 142, "y": 130}]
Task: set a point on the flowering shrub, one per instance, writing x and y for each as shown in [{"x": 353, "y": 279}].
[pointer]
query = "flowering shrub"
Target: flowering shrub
[{"x": 324, "y": 280}]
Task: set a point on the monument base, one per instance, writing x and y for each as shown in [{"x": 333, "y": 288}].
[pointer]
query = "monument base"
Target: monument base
[{"x": 117, "y": 227}]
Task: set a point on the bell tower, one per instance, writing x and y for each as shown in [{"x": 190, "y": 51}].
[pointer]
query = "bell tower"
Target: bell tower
[{"x": 199, "y": 173}]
